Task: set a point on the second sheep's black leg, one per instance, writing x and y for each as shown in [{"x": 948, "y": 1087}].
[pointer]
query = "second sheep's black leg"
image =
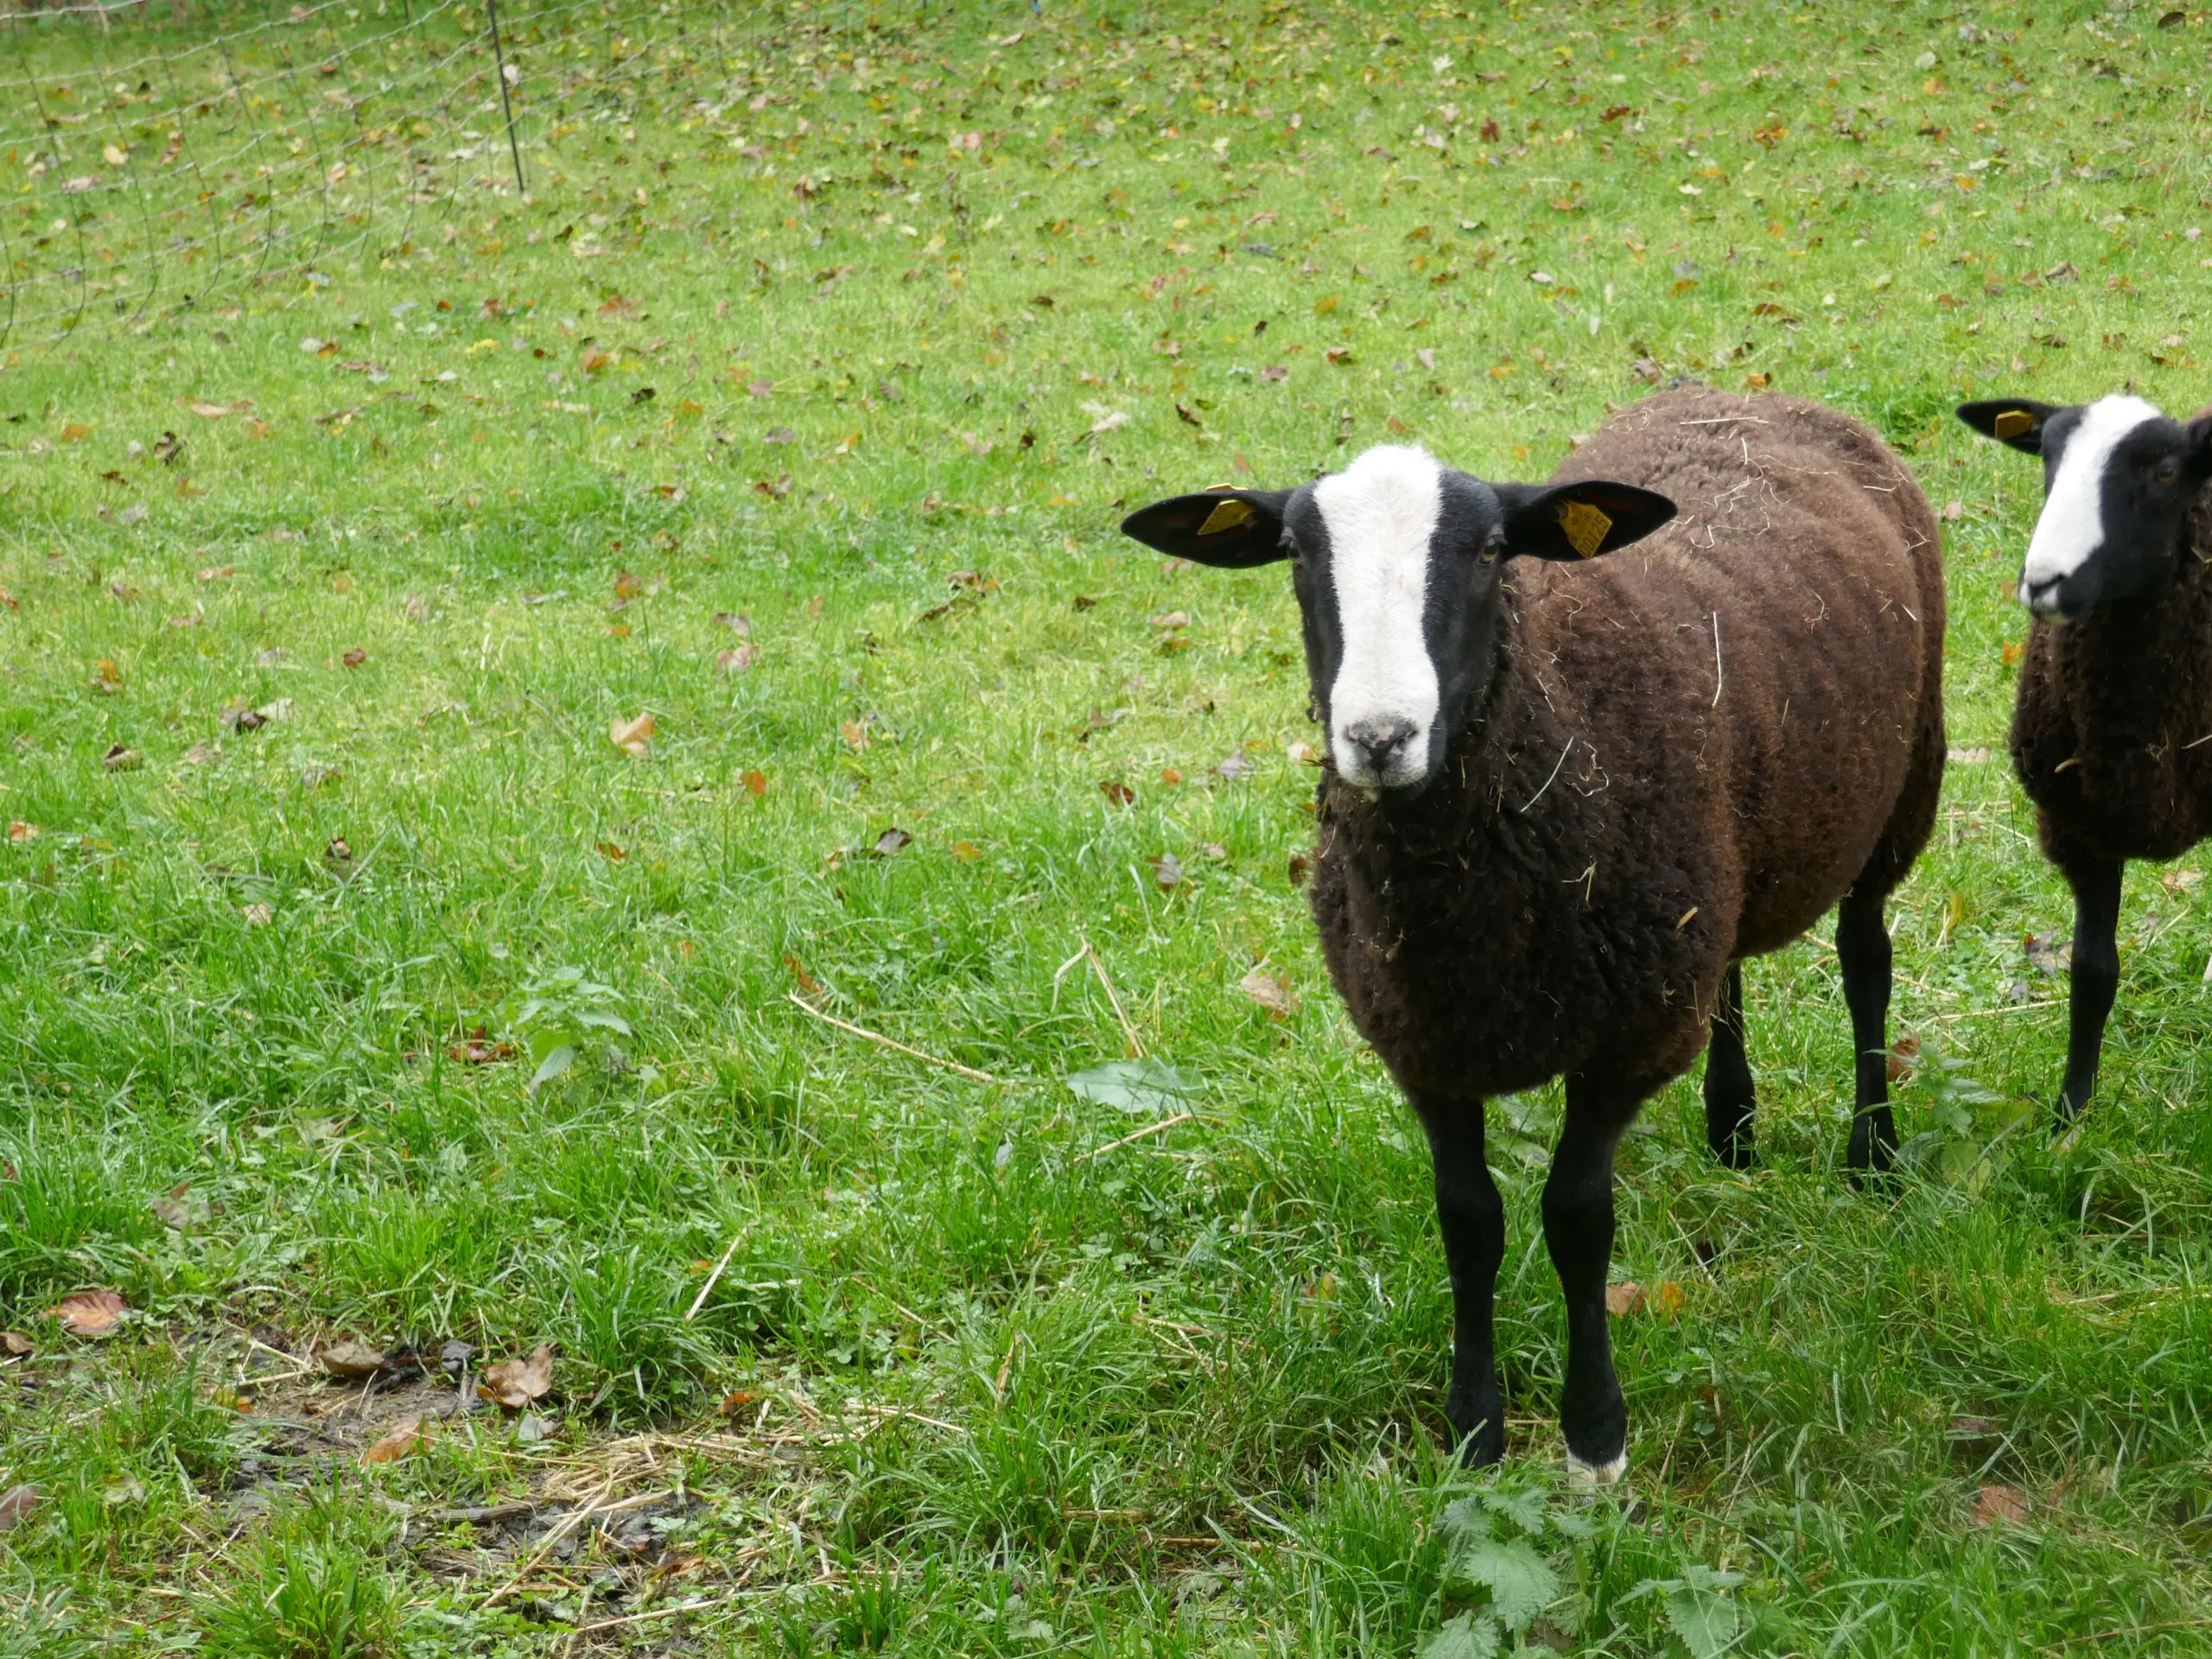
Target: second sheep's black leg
[
  {"x": 1578, "y": 1230},
  {"x": 1471, "y": 1217},
  {"x": 1862, "y": 948},
  {"x": 2095, "y": 979},
  {"x": 1729, "y": 1098}
]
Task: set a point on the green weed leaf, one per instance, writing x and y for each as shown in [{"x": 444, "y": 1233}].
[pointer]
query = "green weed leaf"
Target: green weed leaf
[
  {"x": 1136, "y": 1086},
  {"x": 1708, "y": 1622},
  {"x": 1521, "y": 1583},
  {"x": 1471, "y": 1636},
  {"x": 553, "y": 1065}
]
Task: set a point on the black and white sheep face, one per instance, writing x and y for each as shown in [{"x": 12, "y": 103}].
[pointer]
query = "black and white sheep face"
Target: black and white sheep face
[
  {"x": 2118, "y": 477},
  {"x": 1396, "y": 563}
]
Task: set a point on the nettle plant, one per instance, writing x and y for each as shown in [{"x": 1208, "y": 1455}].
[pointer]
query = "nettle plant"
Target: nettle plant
[{"x": 561, "y": 1016}]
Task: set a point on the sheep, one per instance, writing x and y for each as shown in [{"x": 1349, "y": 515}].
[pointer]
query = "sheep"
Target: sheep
[
  {"x": 2111, "y": 726},
  {"x": 1568, "y": 787}
]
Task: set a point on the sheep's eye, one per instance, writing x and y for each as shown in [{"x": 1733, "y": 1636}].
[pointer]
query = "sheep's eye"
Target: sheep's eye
[
  {"x": 2167, "y": 470},
  {"x": 1488, "y": 556}
]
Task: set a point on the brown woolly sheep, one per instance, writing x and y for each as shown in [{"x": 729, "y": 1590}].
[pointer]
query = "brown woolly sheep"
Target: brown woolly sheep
[
  {"x": 2112, "y": 733},
  {"x": 1565, "y": 794}
]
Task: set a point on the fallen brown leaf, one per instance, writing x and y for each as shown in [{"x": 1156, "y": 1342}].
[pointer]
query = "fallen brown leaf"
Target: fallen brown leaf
[
  {"x": 1166, "y": 869},
  {"x": 1623, "y": 1299},
  {"x": 476, "y": 1049},
  {"x": 631, "y": 736},
  {"x": 892, "y": 840},
  {"x": 19, "y": 830},
  {"x": 354, "y": 657},
  {"x": 738, "y": 659},
  {"x": 966, "y": 851},
  {"x": 516, "y": 1383},
  {"x": 755, "y": 782},
  {"x": 1993, "y": 1505},
  {"x": 17, "y": 1505},
  {"x": 89, "y": 1313},
  {"x": 119, "y": 759},
  {"x": 1118, "y": 792},
  {"x": 1298, "y": 867},
  {"x": 1669, "y": 1298},
  {"x": 607, "y": 850},
  {"x": 1903, "y": 1055},
  {"x": 171, "y": 1209},
  {"x": 16, "y": 1343},
  {"x": 1272, "y": 994},
  {"x": 404, "y": 1439},
  {"x": 352, "y": 1359}
]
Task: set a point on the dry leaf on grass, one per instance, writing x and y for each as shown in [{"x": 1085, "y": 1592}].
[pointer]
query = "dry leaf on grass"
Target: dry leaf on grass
[
  {"x": 1994, "y": 1504},
  {"x": 892, "y": 840},
  {"x": 354, "y": 657},
  {"x": 1166, "y": 869},
  {"x": 1304, "y": 755},
  {"x": 1669, "y": 1299},
  {"x": 17, "y": 1505},
  {"x": 1118, "y": 792},
  {"x": 352, "y": 1359},
  {"x": 737, "y": 658},
  {"x": 403, "y": 1440},
  {"x": 516, "y": 1383},
  {"x": 755, "y": 782},
  {"x": 119, "y": 759},
  {"x": 1298, "y": 867},
  {"x": 15, "y": 1344},
  {"x": 1623, "y": 1299},
  {"x": 631, "y": 736},
  {"x": 1270, "y": 993},
  {"x": 173, "y": 1209},
  {"x": 90, "y": 1313}
]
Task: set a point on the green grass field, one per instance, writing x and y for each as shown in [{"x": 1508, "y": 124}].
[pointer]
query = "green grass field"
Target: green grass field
[{"x": 358, "y": 987}]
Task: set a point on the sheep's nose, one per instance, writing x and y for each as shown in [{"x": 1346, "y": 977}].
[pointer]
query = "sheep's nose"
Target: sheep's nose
[{"x": 1379, "y": 741}]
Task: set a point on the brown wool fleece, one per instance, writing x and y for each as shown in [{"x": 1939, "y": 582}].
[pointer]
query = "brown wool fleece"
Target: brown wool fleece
[
  {"x": 2109, "y": 708},
  {"x": 1622, "y": 816}
]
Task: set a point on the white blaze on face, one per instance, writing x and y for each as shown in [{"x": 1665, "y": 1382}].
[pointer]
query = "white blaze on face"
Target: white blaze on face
[
  {"x": 2072, "y": 526},
  {"x": 1381, "y": 512}
]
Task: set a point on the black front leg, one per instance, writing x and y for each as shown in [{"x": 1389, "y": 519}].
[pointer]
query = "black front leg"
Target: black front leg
[
  {"x": 1728, "y": 1095},
  {"x": 2095, "y": 978},
  {"x": 1473, "y": 1218},
  {"x": 1579, "y": 1231},
  {"x": 1862, "y": 948}
]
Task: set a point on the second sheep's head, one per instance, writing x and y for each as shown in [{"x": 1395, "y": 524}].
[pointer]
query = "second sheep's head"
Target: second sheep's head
[
  {"x": 1398, "y": 562},
  {"x": 2120, "y": 477}
]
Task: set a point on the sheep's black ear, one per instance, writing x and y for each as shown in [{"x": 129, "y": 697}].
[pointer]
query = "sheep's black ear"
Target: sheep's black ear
[
  {"x": 1579, "y": 520},
  {"x": 1233, "y": 528},
  {"x": 2200, "y": 443},
  {"x": 2016, "y": 421}
]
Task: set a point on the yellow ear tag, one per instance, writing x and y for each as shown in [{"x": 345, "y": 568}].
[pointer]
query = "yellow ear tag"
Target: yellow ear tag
[
  {"x": 2012, "y": 422},
  {"x": 1585, "y": 525},
  {"x": 1226, "y": 516}
]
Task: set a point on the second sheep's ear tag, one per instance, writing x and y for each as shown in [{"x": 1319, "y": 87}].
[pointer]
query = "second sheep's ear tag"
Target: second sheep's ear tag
[
  {"x": 1585, "y": 527},
  {"x": 1227, "y": 515},
  {"x": 2012, "y": 422}
]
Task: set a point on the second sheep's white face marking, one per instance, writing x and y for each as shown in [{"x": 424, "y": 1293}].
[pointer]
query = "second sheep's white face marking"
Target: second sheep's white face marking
[
  {"x": 1382, "y": 513},
  {"x": 2072, "y": 527}
]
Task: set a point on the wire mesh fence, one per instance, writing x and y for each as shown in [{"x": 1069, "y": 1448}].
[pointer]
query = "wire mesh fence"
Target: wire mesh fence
[{"x": 163, "y": 153}]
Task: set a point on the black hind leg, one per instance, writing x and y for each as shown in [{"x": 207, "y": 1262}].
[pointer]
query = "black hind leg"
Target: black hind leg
[
  {"x": 1862, "y": 947},
  {"x": 1729, "y": 1099},
  {"x": 2095, "y": 978}
]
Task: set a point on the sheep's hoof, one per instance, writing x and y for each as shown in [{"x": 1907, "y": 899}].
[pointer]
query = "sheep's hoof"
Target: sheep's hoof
[{"x": 1589, "y": 1476}]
